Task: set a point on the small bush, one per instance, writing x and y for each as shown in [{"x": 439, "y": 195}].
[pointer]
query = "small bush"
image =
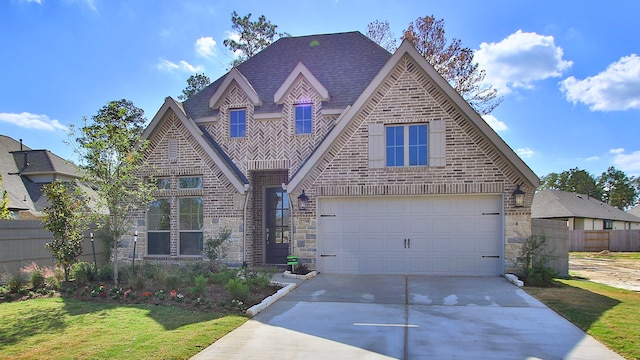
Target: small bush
[
  {"x": 15, "y": 283},
  {"x": 37, "y": 279},
  {"x": 53, "y": 278},
  {"x": 199, "y": 287},
  {"x": 222, "y": 277},
  {"x": 237, "y": 289},
  {"x": 301, "y": 269},
  {"x": 216, "y": 248},
  {"x": 138, "y": 281},
  {"x": 533, "y": 262},
  {"x": 83, "y": 272},
  {"x": 105, "y": 272},
  {"x": 172, "y": 281}
]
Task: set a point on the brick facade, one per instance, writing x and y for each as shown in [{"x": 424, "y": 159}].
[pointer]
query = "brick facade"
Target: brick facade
[{"x": 271, "y": 153}]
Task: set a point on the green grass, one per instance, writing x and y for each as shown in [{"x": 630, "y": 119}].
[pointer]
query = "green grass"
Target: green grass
[
  {"x": 57, "y": 328},
  {"x": 608, "y": 255},
  {"x": 609, "y": 314}
]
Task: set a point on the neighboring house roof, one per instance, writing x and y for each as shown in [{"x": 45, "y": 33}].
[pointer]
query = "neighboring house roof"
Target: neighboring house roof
[
  {"x": 549, "y": 204},
  {"x": 353, "y": 52},
  {"x": 25, "y": 171},
  {"x": 635, "y": 211}
]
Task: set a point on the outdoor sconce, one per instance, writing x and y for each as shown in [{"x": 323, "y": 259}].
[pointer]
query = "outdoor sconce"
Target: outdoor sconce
[
  {"x": 518, "y": 196},
  {"x": 302, "y": 201}
]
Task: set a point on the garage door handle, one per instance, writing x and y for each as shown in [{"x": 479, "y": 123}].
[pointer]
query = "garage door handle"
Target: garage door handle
[
  {"x": 325, "y": 255},
  {"x": 491, "y": 256}
]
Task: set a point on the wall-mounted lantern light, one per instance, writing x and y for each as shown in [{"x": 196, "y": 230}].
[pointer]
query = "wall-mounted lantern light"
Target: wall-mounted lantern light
[
  {"x": 518, "y": 196},
  {"x": 302, "y": 201}
]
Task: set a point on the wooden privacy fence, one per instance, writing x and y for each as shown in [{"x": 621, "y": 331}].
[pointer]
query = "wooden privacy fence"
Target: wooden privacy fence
[
  {"x": 599, "y": 240},
  {"x": 23, "y": 242}
]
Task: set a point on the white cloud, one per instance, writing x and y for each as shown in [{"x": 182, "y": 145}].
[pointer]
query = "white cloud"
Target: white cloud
[
  {"x": 525, "y": 153},
  {"x": 616, "y": 151},
  {"x": 32, "y": 121},
  {"x": 495, "y": 124},
  {"x": 519, "y": 60},
  {"x": 627, "y": 162},
  {"x": 206, "y": 46},
  {"x": 616, "y": 88},
  {"x": 35, "y": 1},
  {"x": 167, "y": 65}
]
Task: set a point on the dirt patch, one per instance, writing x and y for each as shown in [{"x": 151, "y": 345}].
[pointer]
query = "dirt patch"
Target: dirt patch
[{"x": 620, "y": 273}]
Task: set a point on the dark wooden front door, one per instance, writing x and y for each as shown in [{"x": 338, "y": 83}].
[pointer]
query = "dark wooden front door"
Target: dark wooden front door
[{"x": 277, "y": 223}]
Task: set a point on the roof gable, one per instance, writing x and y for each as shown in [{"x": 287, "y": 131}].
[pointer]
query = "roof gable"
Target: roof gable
[
  {"x": 407, "y": 49},
  {"x": 235, "y": 177},
  {"x": 300, "y": 70},
  {"x": 234, "y": 76}
]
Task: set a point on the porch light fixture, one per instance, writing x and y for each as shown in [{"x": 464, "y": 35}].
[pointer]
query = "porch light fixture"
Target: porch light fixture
[
  {"x": 518, "y": 196},
  {"x": 302, "y": 201}
]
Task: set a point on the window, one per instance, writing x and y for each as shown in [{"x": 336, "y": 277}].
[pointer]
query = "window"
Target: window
[
  {"x": 190, "y": 182},
  {"x": 238, "y": 123},
  {"x": 303, "y": 119},
  {"x": 406, "y": 144},
  {"x": 163, "y": 183},
  {"x": 190, "y": 225},
  {"x": 158, "y": 226},
  {"x": 608, "y": 224}
]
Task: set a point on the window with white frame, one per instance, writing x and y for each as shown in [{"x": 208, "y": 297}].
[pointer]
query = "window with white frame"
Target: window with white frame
[
  {"x": 406, "y": 145},
  {"x": 303, "y": 119},
  {"x": 238, "y": 123},
  {"x": 190, "y": 225},
  {"x": 159, "y": 227}
]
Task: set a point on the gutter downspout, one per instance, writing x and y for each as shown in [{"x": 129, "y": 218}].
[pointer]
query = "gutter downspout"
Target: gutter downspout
[
  {"x": 244, "y": 225},
  {"x": 291, "y": 222}
]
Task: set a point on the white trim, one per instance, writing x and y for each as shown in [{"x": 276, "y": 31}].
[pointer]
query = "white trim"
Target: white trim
[
  {"x": 204, "y": 120},
  {"x": 300, "y": 69},
  {"x": 242, "y": 82},
  {"x": 326, "y": 111},
  {"x": 267, "y": 116}
]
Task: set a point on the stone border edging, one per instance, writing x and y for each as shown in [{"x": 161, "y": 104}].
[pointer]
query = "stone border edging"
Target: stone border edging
[
  {"x": 286, "y": 288},
  {"x": 514, "y": 280}
]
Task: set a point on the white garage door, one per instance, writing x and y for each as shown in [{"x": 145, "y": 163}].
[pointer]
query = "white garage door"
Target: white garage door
[{"x": 447, "y": 235}]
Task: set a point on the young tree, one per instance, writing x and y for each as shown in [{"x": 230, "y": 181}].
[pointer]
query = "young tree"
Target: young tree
[
  {"x": 380, "y": 33},
  {"x": 454, "y": 62},
  {"x": 617, "y": 188},
  {"x": 195, "y": 83},
  {"x": 111, "y": 151},
  {"x": 5, "y": 214},
  {"x": 65, "y": 219},
  {"x": 253, "y": 36}
]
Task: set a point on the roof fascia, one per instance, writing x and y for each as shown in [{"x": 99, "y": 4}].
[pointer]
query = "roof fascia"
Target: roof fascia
[
  {"x": 242, "y": 82},
  {"x": 300, "y": 69},
  {"x": 197, "y": 134}
]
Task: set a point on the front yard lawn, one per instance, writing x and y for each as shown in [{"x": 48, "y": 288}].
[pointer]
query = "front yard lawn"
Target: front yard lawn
[
  {"x": 64, "y": 328},
  {"x": 609, "y": 314},
  {"x": 606, "y": 255}
]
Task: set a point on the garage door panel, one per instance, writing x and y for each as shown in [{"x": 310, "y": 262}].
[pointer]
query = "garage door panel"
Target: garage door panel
[{"x": 445, "y": 235}]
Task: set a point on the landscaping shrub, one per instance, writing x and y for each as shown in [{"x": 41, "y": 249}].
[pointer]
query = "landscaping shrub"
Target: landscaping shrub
[
  {"x": 105, "y": 272},
  {"x": 16, "y": 282},
  {"x": 199, "y": 287},
  {"x": 237, "y": 289},
  {"x": 216, "y": 248},
  {"x": 37, "y": 279},
  {"x": 223, "y": 277},
  {"x": 172, "y": 281},
  {"x": 533, "y": 260},
  {"x": 83, "y": 272},
  {"x": 138, "y": 281}
]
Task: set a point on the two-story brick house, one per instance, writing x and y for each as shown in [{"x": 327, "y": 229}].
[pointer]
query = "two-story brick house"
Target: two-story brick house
[{"x": 399, "y": 174}]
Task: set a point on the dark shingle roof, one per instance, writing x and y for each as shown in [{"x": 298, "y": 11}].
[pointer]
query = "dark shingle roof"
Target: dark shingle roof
[
  {"x": 344, "y": 63},
  {"x": 548, "y": 204},
  {"x": 44, "y": 161}
]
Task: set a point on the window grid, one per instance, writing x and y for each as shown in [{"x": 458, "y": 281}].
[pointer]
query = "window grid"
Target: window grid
[
  {"x": 238, "y": 123},
  {"x": 406, "y": 144},
  {"x": 303, "y": 119}
]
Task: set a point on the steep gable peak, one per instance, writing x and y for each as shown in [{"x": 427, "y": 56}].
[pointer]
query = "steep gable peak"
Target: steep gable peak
[
  {"x": 242, "y": 82},
  {"x": 300, "y": 70}
]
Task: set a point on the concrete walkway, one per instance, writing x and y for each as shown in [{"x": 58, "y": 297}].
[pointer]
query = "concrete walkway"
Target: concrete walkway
[{"x": 407, "y": 317}]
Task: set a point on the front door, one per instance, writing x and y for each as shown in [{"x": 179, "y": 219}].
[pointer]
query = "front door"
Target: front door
[{"x": 277, "y": 223}]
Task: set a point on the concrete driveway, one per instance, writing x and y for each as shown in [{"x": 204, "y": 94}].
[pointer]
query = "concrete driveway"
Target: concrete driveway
[{"x": 407, "y": 317}]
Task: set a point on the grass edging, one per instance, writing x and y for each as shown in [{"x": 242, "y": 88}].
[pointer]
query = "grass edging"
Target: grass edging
[{"x": 286, "y": 288}]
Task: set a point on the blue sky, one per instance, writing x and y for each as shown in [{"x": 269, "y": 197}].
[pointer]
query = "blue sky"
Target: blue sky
[{"x": 569, "y": 71}]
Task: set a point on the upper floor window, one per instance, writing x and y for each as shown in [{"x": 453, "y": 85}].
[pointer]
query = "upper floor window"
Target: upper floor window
[
  {"x": 238, "y": 123},
  {"x": 190, "y": 182},
  {"x": 303, "y": 118},
  {"x": 406, "y": 145}
]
